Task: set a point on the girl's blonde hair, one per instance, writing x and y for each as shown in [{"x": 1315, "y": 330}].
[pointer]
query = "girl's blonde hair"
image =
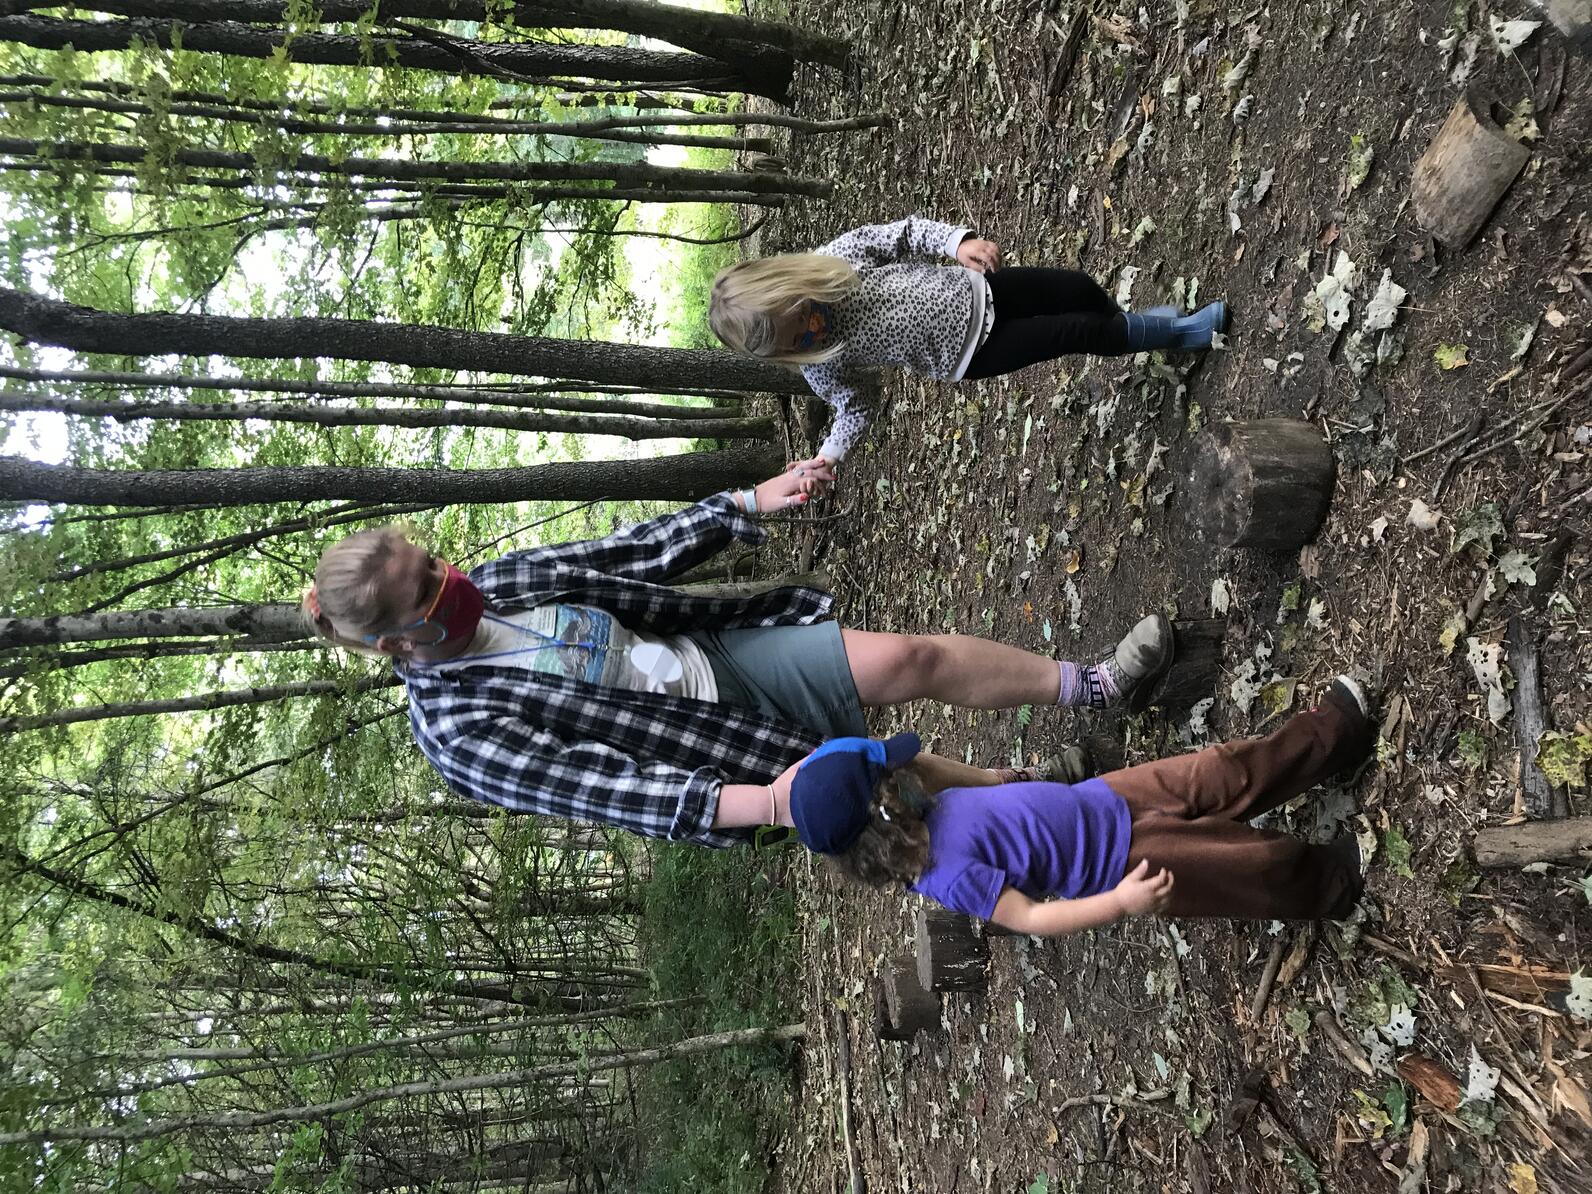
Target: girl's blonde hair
[
  {"x": 350, "y": 587},
  {"x": 893, "y": 848},
  {"x": 751, "y": 297}
]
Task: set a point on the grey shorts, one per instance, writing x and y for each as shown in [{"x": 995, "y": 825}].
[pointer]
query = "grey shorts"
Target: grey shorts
[{"x": 798, "y": 673}]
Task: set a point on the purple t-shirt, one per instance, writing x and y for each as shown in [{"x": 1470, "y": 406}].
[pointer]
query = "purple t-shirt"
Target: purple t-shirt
[{"x": 1058, "y": 841}]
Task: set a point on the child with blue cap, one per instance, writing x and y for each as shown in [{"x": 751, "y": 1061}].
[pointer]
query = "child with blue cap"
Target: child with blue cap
[{"x": 1051, "y": 858}]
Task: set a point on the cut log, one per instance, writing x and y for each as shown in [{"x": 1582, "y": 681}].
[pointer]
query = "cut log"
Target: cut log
[
  {"x": 950, "y": 956},
  {"x": 905, "y": 1008},
  {"x": 1464, "y": 172},
  {"x": 1196, "y": 666},
  {"x": 1539, "y": 797},
  {"x": 1573, "y": 18},
  {"x": 1264, "y": 484},
  {"x": 1535, "y": 841}
]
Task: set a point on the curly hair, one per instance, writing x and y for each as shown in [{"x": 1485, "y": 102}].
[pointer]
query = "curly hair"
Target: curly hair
[{"x": 893, "y": 848}]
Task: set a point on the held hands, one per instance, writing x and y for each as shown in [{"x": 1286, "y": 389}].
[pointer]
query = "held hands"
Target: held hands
[
  {"x": 796, "y": 486},
  {"x": 1143, "y": 894},
  {"x": 981, "y": 256}
]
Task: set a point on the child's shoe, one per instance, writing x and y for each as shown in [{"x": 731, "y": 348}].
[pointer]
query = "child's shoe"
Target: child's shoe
[
  {"x": 1349, "y": 696},
  {"x": 1147, "y": 329},
  {"x": 1071, "y": 766}
]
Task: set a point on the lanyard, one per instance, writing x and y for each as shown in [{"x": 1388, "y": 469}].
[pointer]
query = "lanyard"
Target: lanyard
[{"x": 548, "y": 641}]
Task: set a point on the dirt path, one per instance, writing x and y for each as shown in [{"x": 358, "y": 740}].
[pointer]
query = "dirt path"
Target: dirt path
[{"x": 1045, "y": 510}]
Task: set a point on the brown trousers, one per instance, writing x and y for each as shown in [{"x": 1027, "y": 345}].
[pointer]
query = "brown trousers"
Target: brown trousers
[{"x": 1188, "y": 813}]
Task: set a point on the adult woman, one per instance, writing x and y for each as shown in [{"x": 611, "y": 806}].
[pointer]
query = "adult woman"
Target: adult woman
[{"x": 570, "y": 680}]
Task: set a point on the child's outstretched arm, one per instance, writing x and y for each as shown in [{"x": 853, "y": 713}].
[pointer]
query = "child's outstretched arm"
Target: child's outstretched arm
[
  {"x": 1138, "y": 894},
  {"x": 884, "y": 244}
]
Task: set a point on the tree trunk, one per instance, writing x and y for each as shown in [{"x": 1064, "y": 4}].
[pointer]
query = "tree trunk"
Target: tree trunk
[
  {"x": 474, "y": 192},
  {"x": 367, "y": 416},
  {"x": 278, "y": 622},
  {"x": 591, "y": 1064},
  {"x": 457, "y": 124},
  {"x": 66, "y": 325},
  {"x": 335, "y": 517},
  {"x": 711, "y": 33},
  {"x": 392, "y": 974},
  {"x": 204, "y": 701},
  {"x": 690, "y": 477},
  {"x": 522, "y": 61},
  {"x": 499, "y": 394},
  {"x": 275, "y": 106},
  {"x": 63, "y": 660},
  {"x": 633, "y": 176}
]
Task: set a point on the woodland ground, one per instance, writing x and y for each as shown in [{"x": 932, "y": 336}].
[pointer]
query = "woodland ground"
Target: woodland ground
[{"x": 1045, "y": 510}]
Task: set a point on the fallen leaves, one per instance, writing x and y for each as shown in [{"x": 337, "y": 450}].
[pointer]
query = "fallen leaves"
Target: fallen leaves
[{"x": 1451, "y": 356}]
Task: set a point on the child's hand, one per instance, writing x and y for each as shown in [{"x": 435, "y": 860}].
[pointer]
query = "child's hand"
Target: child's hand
[
  {"x": 817, "y": 476},
  {"x": 982, "y": 256},
  {"x": 1142, "y": 894}
]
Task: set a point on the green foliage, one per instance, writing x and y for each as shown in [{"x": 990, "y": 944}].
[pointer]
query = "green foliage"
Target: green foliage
[{"x": 719, "y": 926}]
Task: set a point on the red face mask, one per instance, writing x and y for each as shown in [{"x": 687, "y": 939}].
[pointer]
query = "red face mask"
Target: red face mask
[{"x": 454, "y": 613}]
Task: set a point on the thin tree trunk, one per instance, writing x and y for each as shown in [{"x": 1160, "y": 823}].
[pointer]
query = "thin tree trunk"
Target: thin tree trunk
[
  {"x": 226, "y": 699},
  {"x": 255, "y": 1060},
  {"x": 522, "y": 61},
  {"x": 64, "y": 660},
  {"x": 240, "y": 1120},
  {"x": 627, "y": 175},
  {"x": 367, "y": 416},
  {"x": 338, "y": 516},
  {"x": 396, "y": 975},
  {"x": 594, "y": 130},
  {"x": 276, "y": 622},
  {"x": 682, "y": 119},
  {"x": 690, "y": 477},
  {"x": 65, "y": 325},
  {"x": 497, "y": 394},
  {"x": 479, "y": 193},
  {"x": 709, "y": 33}
]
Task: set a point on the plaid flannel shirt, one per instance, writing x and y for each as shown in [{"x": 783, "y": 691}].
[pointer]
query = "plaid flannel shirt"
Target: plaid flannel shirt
[{"x": 647, "y": 762}]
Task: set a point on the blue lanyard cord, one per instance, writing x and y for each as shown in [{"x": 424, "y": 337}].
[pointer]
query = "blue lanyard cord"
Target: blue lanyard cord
[{"x": 548, "y": 641}]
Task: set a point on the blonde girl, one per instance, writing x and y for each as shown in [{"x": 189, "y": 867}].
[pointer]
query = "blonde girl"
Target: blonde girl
[{"x": 859, "y": 303}]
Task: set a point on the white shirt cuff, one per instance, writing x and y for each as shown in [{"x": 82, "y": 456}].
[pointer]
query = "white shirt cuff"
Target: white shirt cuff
[{"x": 955, "y": 241}]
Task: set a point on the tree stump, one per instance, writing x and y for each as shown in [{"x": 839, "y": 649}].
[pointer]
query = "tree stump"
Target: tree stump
[
  {"x": 950, "y": 956},
  {"x": 1464, "y": 172},
  {"x": 1196, "y": 666},
  {"x": 905, "y": 1008},
  {"x": 1264, "y": 484},
  {"x": 1573, "y": 18},
  {"x": 1104, "y": 750}
]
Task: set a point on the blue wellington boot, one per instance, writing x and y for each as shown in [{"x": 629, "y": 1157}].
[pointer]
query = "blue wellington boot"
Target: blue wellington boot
[{"x": 1187, "y": 332}]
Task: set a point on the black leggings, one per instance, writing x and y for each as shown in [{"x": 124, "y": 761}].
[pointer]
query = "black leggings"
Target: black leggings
[{"x": 1041, "y": 314}]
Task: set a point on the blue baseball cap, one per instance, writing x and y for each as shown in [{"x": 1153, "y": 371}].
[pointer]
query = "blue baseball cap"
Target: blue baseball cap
[{"x": 831, "y": 794}]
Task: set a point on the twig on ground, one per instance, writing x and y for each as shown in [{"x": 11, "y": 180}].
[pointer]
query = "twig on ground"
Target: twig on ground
[
  {"x": 1145, "y": 1100},
  {"x": 1472, "y": 433},
  {"x": 1268, "y": 978},
  {"x": 1351, "y": 1052},
  {"x": 843, "y": 1075}
]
